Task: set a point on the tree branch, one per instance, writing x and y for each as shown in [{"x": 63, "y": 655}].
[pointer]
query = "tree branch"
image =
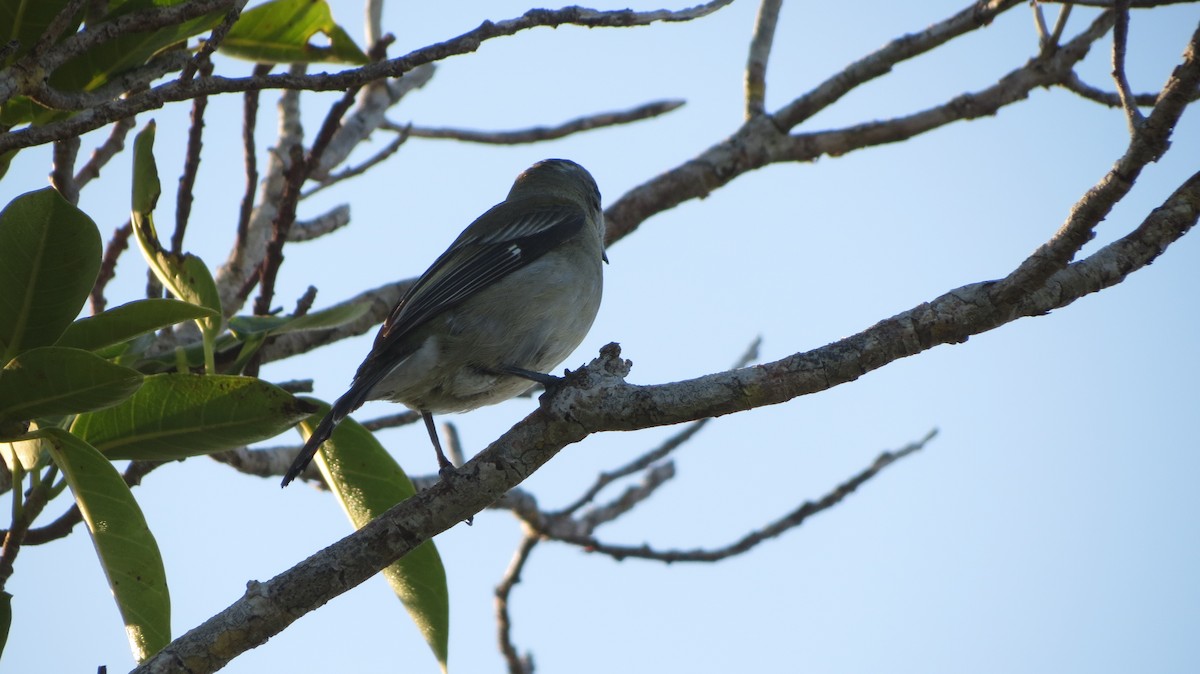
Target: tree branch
[
  {"x": 1110, "y": 98},
  {"x": 517, "y": 663},
  {"x": 1150, "y": 138},
  {"x": 597, "y": 399},
  {"x": 1120, "y": 41},
  {"x": 179, "y": 90},
  {"x": 975, "y": 16},
  {"x": 760, "y": 52},
  {"x": 541, "y": 133},
  {"x": 111, "y": 146},
  {"x": 751, "y": 540}
]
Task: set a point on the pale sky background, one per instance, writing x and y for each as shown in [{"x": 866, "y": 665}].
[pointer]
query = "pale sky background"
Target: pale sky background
[{"x": 1051, "y": 527}]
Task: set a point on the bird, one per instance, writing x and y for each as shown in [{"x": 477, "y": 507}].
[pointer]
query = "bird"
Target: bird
[{"x": 506, "y": 303}]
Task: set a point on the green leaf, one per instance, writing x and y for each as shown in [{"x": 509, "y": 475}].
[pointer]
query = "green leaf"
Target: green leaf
[
  {"x": 127, "y": 549},
  {"x": 102, "y": 63},
  {"x": 123, "y": 323},
  {"x": 244, "y": 326},
  {"x": 20, "y": 110},
  {"x": 185, "y": 275},
  {"x": 6, "y": 159},
  {"x": 5, "y": 619},
  {"x": 367, "y": 481},
  {"x": 282, "y": 31},
  {"x": 175, "y": 415},
  {"x": 26, "y": 453},
  {"x": 146, "y": 188},
  {"x": 49, "y": 259},
  {"x": 57, "y": 380}
]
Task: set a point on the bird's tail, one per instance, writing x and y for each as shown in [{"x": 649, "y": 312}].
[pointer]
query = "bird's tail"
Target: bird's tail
[{"x": 341, "y": 409}]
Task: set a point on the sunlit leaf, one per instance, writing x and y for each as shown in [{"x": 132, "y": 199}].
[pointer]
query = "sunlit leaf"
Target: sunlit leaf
[
  {"x": 127, "y": 549},
  {"x": 175, "y": 415},
  {"x": 287, "y": 31},
  {"x": 26, "y": 453},
  {"x": 127, "y": 321},
  {"x": 367, "y": 481},
  {"x": 185, "y": 275}
]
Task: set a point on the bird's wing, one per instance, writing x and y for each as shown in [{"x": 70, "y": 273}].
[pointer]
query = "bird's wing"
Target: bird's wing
[{"x": 479, "y": 258}]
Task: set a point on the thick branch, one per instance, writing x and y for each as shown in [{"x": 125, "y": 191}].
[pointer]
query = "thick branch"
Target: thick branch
[
  {"x": 759, "y": 141},
  {"x": 598, "y": 399},
  {"x": 1151, "y": 137}
]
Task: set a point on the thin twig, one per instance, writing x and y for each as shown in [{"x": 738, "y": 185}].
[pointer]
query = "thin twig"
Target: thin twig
[
  {"x": 177, "y": 90},
  {"x": 1039, "y": 22},
  {"x": 280, "y": 226},
  {"x": 1112, "y": 99},
  {"x": 307, "y": 230},
  {"x": 387, "y": 151},
  {"x": 191, "y": 164},
  {"x": 204, "y": 54},
  {"x": 883, "y": 60},
  {"x": 246, "y": 260},
  {"x": 137, "y": 79},
  {"x": 297, "y": 173},
  {"x": 642, "y": 462},
  {"x": 305, "y": 302},
  {"x": 627, "y": 500},
  {"x": 392, "y": 420},
  {"x": 1120, "y": 42},
  {"x": 54, "y": 31},
  {"x": 1150, "y": 139},
  {"x": 249, "y": 157},
  {"x": 541, "y": 133},
  {"x": 760, "y": 53},
  {"x": 105, "y": 152},
  {"x": 108, "y": 264},
  {"x": 1134, "y": 4},
  {"x": 655, "y": 455},
  {"x": 517, "y": 663},
  {"x": 754, "y": 538},
  {"x": 142, "y": 20},
  {"x": 333, "y": 121},
  {"x": 20, "y": 532},
  {"x": 1060, "y": 24}
]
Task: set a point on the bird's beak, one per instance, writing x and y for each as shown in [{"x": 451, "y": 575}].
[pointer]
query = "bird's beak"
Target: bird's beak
[{"x": 604, "y": 256}]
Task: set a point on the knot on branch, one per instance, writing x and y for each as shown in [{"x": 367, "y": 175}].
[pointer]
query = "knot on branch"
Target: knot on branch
[{"x": 582, "y": 388}]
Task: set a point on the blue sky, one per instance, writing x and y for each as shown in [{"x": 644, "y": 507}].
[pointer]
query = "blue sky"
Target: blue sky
[{"x": 1051, "y": 526}]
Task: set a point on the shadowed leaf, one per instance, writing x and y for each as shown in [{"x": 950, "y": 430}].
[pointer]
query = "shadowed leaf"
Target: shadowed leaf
[
  {"x": 49, "y": 259},
  {"x": 56, "y": 380},
  {"x": 127, "y": 549}
]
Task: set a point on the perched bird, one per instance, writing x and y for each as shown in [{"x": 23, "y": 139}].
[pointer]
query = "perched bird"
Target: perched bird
[{"x": 510, "y": 299}]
